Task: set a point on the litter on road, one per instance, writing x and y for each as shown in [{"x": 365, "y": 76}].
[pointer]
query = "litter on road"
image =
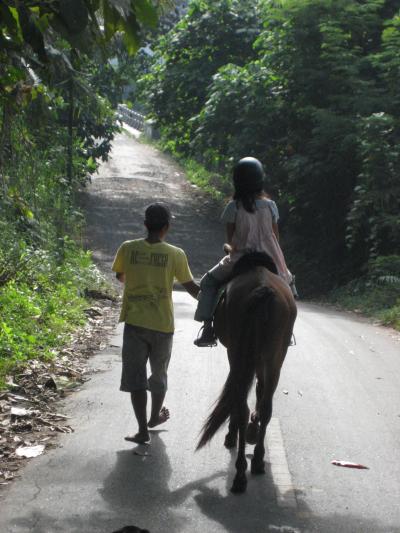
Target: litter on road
[
  {"x": 30, "y": 451},
  {"x": 348, "y": 464}
]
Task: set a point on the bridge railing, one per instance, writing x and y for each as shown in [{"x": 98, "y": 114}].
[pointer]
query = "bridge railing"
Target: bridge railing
[
  {"x": 137, "y": 120},
  {"x": 131, "y": 117}
]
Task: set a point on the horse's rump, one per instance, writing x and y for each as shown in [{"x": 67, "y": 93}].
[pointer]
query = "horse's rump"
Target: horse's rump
[{"x": 248, "y": 264}]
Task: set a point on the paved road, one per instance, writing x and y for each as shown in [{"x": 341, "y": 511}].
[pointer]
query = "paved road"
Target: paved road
[{"x": 337, "y": 399}]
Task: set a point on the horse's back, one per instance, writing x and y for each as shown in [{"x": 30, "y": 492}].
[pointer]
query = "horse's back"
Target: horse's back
[{"x": 255, "y": 299}]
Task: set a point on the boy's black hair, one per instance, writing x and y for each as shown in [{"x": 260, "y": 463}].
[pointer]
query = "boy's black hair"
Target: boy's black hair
[{"x": 157, "y": 216}]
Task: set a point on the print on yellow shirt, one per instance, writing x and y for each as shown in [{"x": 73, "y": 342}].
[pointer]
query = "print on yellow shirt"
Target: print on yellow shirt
[{"x": 150, "y": 271}]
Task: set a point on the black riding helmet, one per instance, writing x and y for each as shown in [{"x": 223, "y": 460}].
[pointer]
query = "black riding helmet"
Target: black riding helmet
[{"x": 248, "y": 175}]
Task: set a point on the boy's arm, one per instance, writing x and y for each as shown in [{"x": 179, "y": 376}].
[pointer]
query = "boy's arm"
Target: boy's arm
[
  {"x": 118, "y": 264},
  {"x": 184, "y": 276},
  {"x": 192, "y": 288},
  {"x": 120, "y": 277}
]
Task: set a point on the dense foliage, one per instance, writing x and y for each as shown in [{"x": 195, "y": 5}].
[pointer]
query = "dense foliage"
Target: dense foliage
[
  {"x": 311, "y": 88},
  {"x": 57, "y": 89}
]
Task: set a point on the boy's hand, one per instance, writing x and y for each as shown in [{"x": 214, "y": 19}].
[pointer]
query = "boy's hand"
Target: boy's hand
[
  {"x": 192, "y": 288},
  {"x": 120, "y": 277}
]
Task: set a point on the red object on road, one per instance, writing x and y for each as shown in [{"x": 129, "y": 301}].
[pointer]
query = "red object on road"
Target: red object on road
[{"x": 347, "y": 464}]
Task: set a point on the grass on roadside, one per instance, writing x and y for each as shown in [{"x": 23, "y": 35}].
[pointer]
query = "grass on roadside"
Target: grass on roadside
[
  {"x": 376, "y": 294},
  {"x": 39, "y": 311}
]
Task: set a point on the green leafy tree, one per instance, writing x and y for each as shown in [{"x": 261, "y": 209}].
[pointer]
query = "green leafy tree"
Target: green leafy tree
[
  {"x": 211, "y": 35},
  {"x": 316, "y": 100},
  {"x": 55, "y": 123}
]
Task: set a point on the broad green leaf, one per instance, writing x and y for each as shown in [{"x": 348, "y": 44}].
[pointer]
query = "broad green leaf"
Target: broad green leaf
[
  {"x": 9, "y": 16},
  {"x": 131, "y": 34},
  {"x": 145, "y": 11},
  {"x": 112, "y": 20}
]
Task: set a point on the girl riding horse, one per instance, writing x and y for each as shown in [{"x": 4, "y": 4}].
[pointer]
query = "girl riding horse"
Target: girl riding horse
[{"x": 251, "y": 225}]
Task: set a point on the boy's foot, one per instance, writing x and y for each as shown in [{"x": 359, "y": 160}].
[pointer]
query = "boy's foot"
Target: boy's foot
[
  {"x": 163, "y": 416},
  {"x": 206, "y": 337},
  {"x": 139, "y": 438}
]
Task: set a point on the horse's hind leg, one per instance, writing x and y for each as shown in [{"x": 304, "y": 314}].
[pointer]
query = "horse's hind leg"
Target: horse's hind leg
[
  {"x": 240, "y": 482},
  {"x": 231, "y": 436},
  {"x": 257, "y": 463},
  {"x": 254, "y": 424},
  {"x": 265, "y": 413}
]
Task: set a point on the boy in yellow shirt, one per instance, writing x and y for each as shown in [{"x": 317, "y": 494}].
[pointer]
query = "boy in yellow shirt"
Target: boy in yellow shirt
[{"x": 148, "y": 268}]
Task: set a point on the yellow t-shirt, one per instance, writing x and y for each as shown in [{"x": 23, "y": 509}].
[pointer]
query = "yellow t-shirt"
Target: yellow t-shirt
[{"x": 150, "y": 270}]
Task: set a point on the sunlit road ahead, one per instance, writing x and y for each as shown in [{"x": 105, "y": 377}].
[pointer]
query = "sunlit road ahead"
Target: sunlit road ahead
[{"x": 338, "y": 398}]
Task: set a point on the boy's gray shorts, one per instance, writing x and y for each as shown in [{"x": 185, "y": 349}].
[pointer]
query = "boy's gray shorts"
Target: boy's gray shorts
[{"x": 140, "y": 345}]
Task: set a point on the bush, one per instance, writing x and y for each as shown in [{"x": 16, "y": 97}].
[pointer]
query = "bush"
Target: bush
[
  {"x": 40, "y": 311},
  {"x": 377, "y": 293}
]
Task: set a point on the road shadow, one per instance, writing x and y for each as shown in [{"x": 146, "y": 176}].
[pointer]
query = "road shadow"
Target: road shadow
[
  {"x": 137, "y": 492},
  {"x": 139, "y": 486}
]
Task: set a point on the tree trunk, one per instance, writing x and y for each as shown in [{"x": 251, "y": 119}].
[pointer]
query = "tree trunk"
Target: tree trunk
[
  {"x": 70, "y": 141},
  {"x": 5, "y": 138}
]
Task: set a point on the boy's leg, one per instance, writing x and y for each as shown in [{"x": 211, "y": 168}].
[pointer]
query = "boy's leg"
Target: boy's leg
[
  {"x": 160, "y": 355},
  {"x": 135, "y": 352},
  {"x": 139, "y": 404},
  {"x": 159, "y": 413}
]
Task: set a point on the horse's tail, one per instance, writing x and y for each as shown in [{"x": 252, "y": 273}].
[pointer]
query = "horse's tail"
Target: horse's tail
[{"x": 243, "y": 364}]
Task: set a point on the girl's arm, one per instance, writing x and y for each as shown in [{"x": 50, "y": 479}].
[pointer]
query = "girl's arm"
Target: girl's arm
[
  {"x": 230, "y": 230},
  {"x": 275, "y": 229}
]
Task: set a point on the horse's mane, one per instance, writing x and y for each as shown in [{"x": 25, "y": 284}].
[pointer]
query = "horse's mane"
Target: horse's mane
[{"x": 252, "y": 260}]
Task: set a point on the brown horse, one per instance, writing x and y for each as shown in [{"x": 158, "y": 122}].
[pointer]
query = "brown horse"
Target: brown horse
[{"x": 254, "y": 321}]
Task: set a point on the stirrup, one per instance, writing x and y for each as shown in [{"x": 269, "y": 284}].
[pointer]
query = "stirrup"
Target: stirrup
[
  {"x": 293, "y": 340},
  {"x": 200, "y": 343}
]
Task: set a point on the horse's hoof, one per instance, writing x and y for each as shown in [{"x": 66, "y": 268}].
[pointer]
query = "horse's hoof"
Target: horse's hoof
[
  {"x": 239, "y": 486},
  {"x": 252, "y": 433},
  {"x": 230, "y": 441},
  {"x": 257, "y": 467}
]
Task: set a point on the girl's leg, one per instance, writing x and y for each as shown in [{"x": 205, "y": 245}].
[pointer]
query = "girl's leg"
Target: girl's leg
[
  {"x": 209, "y": 286},
  {"x": 205, "y": 309},
  {"x": 208, "y": 299}
]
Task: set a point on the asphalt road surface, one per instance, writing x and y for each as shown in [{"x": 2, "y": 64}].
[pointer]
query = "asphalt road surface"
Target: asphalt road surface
[{"x": 338, "y": 398}]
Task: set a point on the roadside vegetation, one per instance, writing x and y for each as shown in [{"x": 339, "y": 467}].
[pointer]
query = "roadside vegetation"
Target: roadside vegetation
[
  {"x": 59, "y": 82},
  {"x": 310, "y": 87}
]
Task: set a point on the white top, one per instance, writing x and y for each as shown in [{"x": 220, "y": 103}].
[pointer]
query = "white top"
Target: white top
[{"x": 254, "y": 232}]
